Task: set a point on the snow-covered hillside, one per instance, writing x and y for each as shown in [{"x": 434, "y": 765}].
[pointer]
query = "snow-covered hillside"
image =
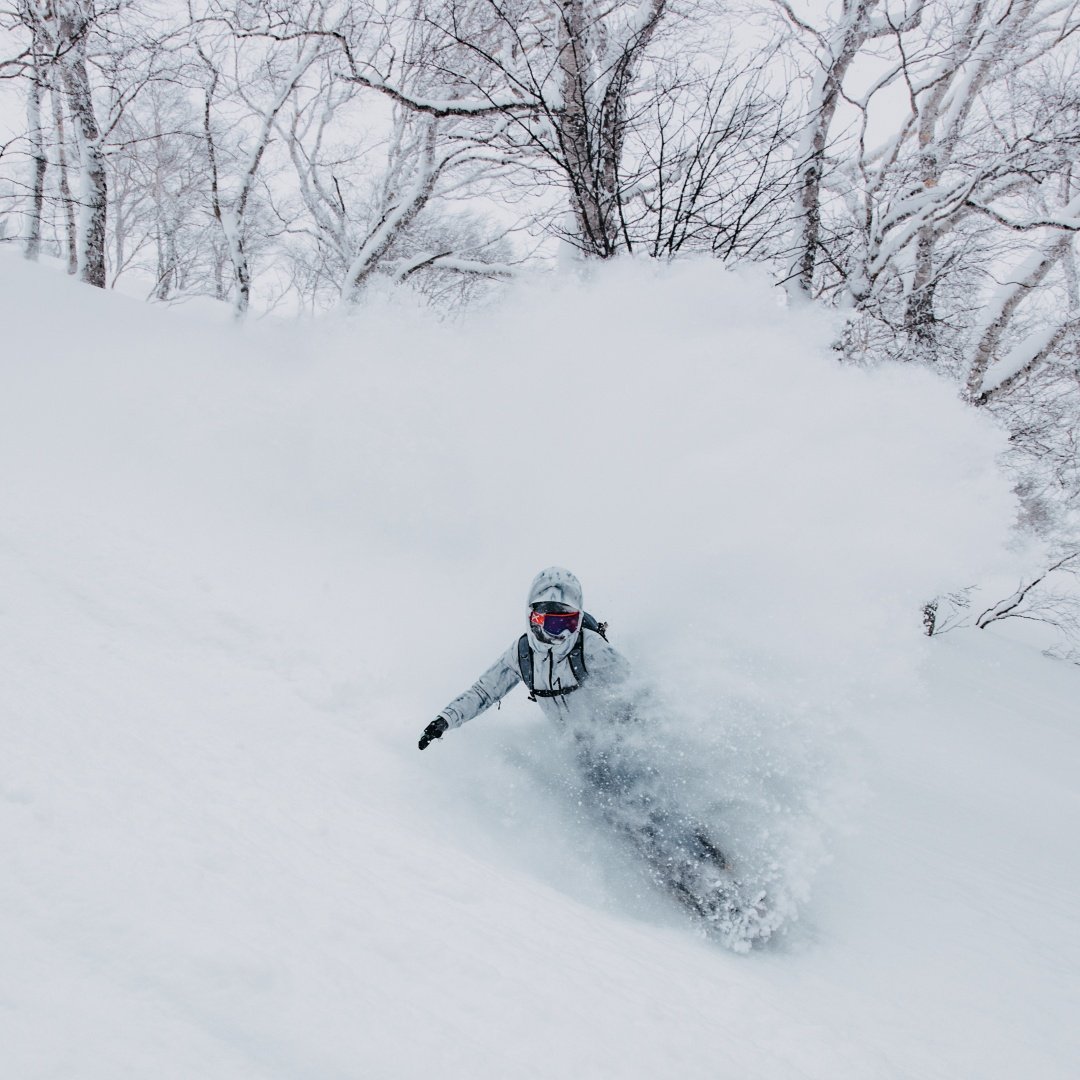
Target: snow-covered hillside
[{"x": 241, "y": 569}]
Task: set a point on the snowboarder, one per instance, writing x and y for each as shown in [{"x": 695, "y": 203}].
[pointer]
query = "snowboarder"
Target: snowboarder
[
  {"x": 564, "y": 660},
  {"x": 582, "y": 682}
]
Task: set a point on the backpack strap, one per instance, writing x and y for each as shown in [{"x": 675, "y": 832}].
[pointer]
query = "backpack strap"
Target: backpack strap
[
  {"x": 576, "y": 658},
  {"x": 525, "y": 664}
]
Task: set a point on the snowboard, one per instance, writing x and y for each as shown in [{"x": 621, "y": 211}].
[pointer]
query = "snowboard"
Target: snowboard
[{"x": 678, "y": 853}]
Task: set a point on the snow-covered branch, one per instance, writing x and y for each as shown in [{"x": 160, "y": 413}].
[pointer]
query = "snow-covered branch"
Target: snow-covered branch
[
  {"x": 438, "y": 107},
  {"x": 1019, "y": 603}
]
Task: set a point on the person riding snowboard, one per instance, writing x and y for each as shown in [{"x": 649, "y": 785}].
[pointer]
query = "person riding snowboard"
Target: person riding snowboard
[
  {"x": 579, "y": 680},
  {"x": 564, "y": 660}
]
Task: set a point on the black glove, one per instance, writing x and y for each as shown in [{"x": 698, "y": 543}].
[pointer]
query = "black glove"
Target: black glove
[{"x": 433, "y": 731}]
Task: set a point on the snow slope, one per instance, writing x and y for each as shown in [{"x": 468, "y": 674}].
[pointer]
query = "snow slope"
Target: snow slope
[{"x": 239, "y": 570}]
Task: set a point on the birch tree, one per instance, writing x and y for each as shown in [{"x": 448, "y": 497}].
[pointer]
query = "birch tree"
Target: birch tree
[
  {"x": 379, "y": 210},
  {"x": 947, "y": 215},
  {"x": 252, "y": 59},
  {"x": 62, "y": 29},
  {"x": 568, "y": 85},
  {"x": 968, "y": 173},
  {"x": 38, "y": 80},
  {"x": 833, "y": 50},
  {"x": 161, "y": 228},
  {"x": 94, "y": 59}
]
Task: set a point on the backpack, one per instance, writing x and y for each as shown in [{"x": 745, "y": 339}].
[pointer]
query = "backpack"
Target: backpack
[{"x": 576, "y": 658}]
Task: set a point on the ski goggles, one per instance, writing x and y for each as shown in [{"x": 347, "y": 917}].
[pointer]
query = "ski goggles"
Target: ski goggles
[{"x": 556, "y": 623}]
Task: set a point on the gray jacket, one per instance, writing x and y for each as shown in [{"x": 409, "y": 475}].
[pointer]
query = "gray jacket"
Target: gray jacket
[{"x": 602, "y": 696}]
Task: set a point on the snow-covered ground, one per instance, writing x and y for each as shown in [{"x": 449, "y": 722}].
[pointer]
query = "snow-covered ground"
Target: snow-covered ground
[{"x": 240, "y": 570}]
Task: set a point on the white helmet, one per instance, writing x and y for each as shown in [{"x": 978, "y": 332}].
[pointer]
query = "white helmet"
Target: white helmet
[{"x": 556, "y": 585}]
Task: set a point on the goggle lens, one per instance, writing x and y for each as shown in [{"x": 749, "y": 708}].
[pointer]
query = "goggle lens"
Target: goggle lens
[{"x": 556, "y": 623}]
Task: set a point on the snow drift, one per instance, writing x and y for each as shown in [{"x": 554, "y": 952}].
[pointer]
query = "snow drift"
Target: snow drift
[{"x": 243, "y": 567}]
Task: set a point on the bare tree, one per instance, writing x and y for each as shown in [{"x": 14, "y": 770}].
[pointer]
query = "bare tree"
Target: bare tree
[
  {"x": 38, "y": 81},
  {"x": 62, "y": 29},
  {"x": 624, "y": 111},
  {"x": 95, "y": 58},
  {"x": 937, "y": 206},
  {"x": 576, "y": 92},
  {"x": 711, "y": 169},
  {"x": 378, "y": 209},
  {"x": 833, "y": 51},
  {"x": 225, "y": 35}
]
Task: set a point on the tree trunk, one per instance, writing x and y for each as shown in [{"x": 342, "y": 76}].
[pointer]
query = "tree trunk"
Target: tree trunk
[
  {"x": 67, "y": 205},
  {"x": 166, "y": 260},
  {"x": 919, "y": 316},
  {"x": 841, "y": 49},
  {"x": 37, "y": 156},
  {"x": 398, "y": 216},
  {"x": 573, "y": 132},
  {"x": 94, "y": 190},
  {"x": 999, "y": 314}
]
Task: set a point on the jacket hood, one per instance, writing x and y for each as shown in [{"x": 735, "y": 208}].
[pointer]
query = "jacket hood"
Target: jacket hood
[{"x": 557, "y": 585}]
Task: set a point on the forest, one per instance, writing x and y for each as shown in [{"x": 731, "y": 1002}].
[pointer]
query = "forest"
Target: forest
[{"x": 911, "y": 165}]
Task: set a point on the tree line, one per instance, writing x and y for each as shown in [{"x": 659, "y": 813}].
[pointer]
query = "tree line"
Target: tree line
[{"x": 912, "y": 163}]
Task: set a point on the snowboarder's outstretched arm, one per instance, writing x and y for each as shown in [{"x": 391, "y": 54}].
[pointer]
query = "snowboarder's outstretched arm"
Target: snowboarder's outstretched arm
[{"x": 492, "y": 686}]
